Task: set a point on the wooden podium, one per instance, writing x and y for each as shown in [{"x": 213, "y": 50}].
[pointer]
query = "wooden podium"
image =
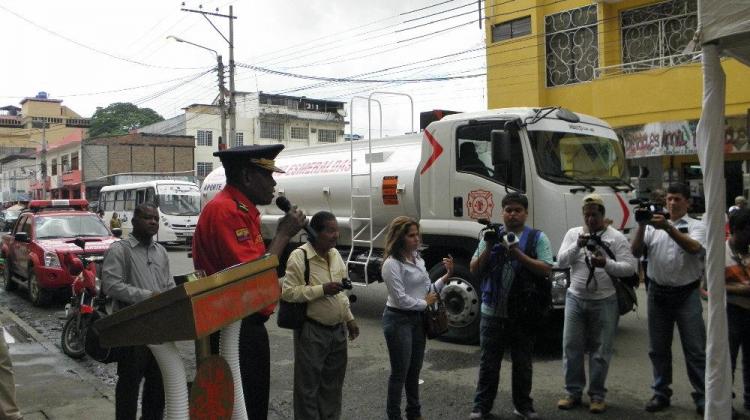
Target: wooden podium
[
  {"x": 192, "y": 311},
  {"x": 195, "y": 309}
]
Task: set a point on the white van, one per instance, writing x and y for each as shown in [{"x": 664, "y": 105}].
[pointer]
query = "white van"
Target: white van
[{"x": 178, "y": 203}]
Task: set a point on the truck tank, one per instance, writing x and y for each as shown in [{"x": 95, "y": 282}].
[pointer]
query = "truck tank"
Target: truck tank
[{"x": 319, "y": 178}]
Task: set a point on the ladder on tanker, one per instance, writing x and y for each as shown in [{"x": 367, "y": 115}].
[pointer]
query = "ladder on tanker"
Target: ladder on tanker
[{"x": 363, "y": 233}]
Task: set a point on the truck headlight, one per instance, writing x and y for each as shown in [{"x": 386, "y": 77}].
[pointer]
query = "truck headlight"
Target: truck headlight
[{"x": 51, "y": 260}]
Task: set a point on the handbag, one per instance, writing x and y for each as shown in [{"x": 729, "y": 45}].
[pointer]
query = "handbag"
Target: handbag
[
  {"x": 626, "y": 297},
  {"x": 292, "y": 315},
  {"x": 627, "y": 300},
  {"x": 435, "y": 319}
]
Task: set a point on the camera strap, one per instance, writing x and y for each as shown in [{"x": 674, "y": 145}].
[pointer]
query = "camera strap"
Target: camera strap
[{"x": 591, "y": 267}]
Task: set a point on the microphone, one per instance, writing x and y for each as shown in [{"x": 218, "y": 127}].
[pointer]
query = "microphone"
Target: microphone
[{"x": 285, "y": 205}]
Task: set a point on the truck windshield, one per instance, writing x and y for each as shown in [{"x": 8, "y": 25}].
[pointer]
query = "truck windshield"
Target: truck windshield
[
  {"x": 72, "y": 226},
  {"x": 569, "y": 157},
  {"x": 180, "y": 204}
]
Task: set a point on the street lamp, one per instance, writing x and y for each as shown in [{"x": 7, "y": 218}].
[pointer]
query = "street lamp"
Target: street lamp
[{"x": 220, "y": 69}]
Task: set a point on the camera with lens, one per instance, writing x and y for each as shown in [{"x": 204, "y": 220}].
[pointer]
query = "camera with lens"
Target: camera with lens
[
  {"x": 346, "y": 284},
  {"x": 495, "y": 233},
  {"x": 646, "y": 209},
  {"x": 591, "y": 242}
]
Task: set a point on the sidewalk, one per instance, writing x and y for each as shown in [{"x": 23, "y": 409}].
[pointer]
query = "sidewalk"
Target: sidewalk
[{"x": 50, "y": 385}]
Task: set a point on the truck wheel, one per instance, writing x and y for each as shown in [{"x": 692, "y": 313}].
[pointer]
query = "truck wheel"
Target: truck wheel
[
  {"x": 462, "y": 299},
  {"x": 71, "y": 340},
  {"x": 37, "y": 295},
  {"x": 8, "y": 283}
]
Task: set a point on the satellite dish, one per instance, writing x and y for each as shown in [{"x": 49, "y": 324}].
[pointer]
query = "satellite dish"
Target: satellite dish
[{"x": 341, "y": 111}]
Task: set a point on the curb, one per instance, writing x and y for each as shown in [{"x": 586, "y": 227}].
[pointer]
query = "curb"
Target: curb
[{"x": 50, "y": 347}]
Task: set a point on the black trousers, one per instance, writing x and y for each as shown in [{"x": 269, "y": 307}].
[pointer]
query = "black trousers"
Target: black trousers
[
  {"x": 255, "y": 364},
  {"x": 137, "y": 363}
]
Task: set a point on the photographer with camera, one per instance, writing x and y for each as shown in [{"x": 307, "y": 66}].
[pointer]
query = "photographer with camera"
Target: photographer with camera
[
  {"x": 591, "y": 309},
  {"x": 676, "y": 260},
  {"x": 514, "y": 261},
  {"x": 320, "y": 348}
]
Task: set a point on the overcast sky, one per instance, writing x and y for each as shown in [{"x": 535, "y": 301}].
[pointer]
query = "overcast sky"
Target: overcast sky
[{"x": 93, "y": 53}]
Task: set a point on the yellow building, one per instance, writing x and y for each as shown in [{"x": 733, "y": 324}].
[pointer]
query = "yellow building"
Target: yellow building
[
  {"x": 37, "y": 118},
  {"x": 624, "y": 61}
]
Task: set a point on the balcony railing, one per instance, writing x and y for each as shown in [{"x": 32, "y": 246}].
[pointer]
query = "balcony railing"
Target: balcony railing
[{"x": 654, "y": 63}]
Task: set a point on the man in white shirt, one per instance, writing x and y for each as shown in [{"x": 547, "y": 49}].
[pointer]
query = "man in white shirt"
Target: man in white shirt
[
  {"x": 591, "y": 309},
  {"x": 676, "y": 261}
]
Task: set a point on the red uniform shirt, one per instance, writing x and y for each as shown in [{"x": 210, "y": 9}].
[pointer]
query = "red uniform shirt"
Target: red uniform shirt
[{"x": 228, "y": 233}]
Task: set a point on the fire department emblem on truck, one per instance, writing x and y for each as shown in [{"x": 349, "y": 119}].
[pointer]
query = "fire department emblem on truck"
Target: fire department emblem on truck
[{"x": 480, "y": 204}]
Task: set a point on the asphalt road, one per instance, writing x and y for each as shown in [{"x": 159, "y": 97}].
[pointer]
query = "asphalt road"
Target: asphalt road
[{"x": 449, "y": 372}]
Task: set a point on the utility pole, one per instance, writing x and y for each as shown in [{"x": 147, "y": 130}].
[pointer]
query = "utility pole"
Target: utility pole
[
  {"x": 43, "y": 156},
  {"x": 230, "y": 41},
  {"x": 222, "y": 107},
  {"x": 232, "y": 103}
]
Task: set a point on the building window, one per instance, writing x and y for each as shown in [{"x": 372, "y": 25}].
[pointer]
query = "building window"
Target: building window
[
  {"x": 204, "y": 168},
  {"x": 54, "y": 167},
  {"x": 64, "y": 164},
  {"x": 300, "y": 133},
  {"x": 512, "y": 29},
  {"x": 74, "y": 161},
  {"x": 205, "y": 137},
  {"x": 572, "y": 46},
  {"x": 239, "y": 139},
  {"x": 271, "y": 130},
  {"x": 655, "y": 36},
  {"x": 326, "y": 136}
]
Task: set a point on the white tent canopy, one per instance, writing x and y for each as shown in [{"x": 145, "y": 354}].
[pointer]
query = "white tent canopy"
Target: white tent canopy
[{"x": 724, "y": 30}]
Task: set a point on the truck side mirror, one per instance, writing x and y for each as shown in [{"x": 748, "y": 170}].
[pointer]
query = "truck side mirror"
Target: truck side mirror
[
  {"x": 21, "y": 237},
  {"x": 501, "y": 146},
  {"x": 117, "y": 232}
]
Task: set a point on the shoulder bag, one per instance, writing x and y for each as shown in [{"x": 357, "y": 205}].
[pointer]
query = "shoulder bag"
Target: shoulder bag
[
  {"x": 627, "y": 301},
  {"x": 292, "y": 314},
  {"x": 435, "y": 318}
]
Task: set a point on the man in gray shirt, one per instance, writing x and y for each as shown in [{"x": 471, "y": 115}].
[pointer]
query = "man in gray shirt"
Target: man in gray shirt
[{"x": 135, "y": 269}]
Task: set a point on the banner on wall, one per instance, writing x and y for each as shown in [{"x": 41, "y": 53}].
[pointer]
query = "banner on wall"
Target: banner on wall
[{"x": 679, "y": 138}]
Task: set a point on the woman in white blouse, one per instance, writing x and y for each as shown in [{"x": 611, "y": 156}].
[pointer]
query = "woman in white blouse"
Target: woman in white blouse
[{"x": 409, "y": 293}]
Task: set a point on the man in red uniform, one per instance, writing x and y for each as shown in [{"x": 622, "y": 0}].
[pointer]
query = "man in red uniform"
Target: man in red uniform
[{"x": 228, "y": 233}]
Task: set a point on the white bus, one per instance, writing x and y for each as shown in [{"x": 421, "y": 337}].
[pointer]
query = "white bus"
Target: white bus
[{"x": 179, "y": 204}]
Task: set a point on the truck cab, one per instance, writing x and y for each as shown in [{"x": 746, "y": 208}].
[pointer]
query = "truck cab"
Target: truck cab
[{"x": 34, "y": 250}]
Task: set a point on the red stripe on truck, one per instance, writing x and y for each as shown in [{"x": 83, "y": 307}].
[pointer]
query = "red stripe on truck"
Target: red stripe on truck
[
  {"x": 625, "y": 211},
  {"x": 437, "y": 150}
]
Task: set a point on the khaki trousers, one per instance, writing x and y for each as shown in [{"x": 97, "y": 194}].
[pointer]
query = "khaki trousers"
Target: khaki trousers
[{"x": 8, "y": 407}]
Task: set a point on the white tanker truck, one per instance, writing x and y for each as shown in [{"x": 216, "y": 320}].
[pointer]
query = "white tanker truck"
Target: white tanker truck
[{"x": 453, "y": 173}]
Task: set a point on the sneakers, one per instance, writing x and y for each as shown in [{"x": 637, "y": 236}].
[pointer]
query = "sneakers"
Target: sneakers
[
  {"x": 568, "y": 403},
  {"x": 477, "y": 415},
  {"x": 526, "y": 414},
  {"x": 657, "y": 403},
  {"x": 597, "y": 407}
]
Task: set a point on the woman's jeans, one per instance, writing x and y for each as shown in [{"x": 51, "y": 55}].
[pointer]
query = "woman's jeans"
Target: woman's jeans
[
  {"x": 404, "y": 335},
  {"x": 590, "y": 325}
]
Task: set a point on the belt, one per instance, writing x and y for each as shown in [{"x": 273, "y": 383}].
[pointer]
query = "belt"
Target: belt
[
  {"x": 322, "y": 325},
  {"x": 676, "y": 289},
  {"x": 402, "y": 311}
]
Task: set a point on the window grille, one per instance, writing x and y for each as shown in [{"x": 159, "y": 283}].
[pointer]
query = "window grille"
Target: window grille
[
  {"x": 300, "y": 133},
  {"x": 271, "y": 130},
  {"x": 654, "y": 36},
  {"x": 205, "y": 137},
  {"x": 572, "y": 46},
  {"x": 204, "y": 168},
  {"x": 326, "y": 136}
]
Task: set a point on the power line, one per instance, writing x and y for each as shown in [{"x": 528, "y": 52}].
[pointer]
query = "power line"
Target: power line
[
  {"x": 90, "y": 48},
  {"x": 351, "y": 80}
]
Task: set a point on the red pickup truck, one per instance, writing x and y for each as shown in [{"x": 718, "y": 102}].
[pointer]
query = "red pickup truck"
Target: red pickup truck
[{"x": 35, "y": 248}]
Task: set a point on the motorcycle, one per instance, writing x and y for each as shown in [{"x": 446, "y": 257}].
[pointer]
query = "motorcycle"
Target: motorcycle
[{"x": 85, "y": 302}]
